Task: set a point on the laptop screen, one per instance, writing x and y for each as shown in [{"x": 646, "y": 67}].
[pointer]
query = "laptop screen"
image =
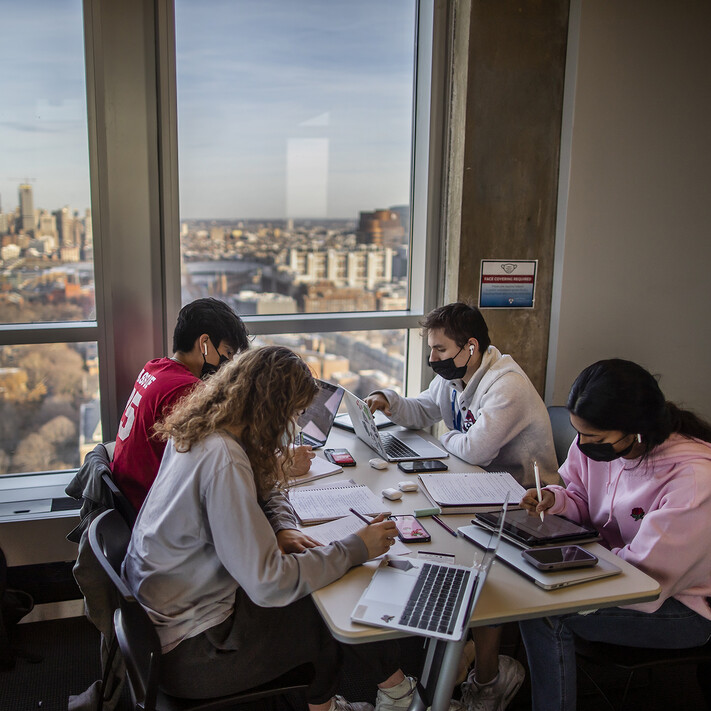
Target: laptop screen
[{"x": 317, "y": 420}]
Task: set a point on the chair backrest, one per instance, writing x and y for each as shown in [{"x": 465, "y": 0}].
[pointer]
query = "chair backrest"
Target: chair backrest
[
  {"x": 563, "y": 432},
  {"x": 109, "y": 536},
  {"x": 121, "y": 503}
]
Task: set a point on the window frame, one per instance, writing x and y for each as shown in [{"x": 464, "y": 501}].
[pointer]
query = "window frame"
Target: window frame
[{"x": 131, "y": 62}]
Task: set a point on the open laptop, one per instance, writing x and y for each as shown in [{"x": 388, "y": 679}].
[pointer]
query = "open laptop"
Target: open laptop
[
  {"x": 317, "y": 420},
  {"x": 426, "y": 598},
  {"x": 510, "y": 554},
  {"x": 400, "y": 446}
]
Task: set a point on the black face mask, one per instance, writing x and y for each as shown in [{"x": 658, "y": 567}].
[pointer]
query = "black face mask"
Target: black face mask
[
  {"x": 603, "y": 451},
  {"x": 209, "y": 368},
  {"x": 447, "y": 369}
]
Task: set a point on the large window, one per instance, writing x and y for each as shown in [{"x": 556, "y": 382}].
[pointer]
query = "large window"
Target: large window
[
  {"x": 46, "y": 246},
  {"x": 296, "y": 154},
  {"x": 280, "y": 155}
]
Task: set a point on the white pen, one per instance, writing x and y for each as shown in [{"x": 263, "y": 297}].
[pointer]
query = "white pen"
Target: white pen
[{"x": 538, "y": 486}]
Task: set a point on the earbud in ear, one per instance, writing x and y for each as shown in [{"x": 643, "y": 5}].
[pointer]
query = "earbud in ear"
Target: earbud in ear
[
  {"x": 471, "y": 350},
  {"x": 639, "y": 438},
  {"x": 204, "y": 348}
]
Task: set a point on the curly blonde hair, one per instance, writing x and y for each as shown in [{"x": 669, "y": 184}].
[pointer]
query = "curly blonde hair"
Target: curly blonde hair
[{"x": 259, "y": 392}]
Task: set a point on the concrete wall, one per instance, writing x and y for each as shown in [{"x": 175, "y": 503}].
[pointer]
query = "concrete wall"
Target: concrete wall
[
  {"x": 634, "y": 263},
  {"x": 510, "y": 176}
]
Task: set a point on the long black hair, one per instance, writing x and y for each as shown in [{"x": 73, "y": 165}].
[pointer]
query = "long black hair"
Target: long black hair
[{"x": 621, "y": 395}]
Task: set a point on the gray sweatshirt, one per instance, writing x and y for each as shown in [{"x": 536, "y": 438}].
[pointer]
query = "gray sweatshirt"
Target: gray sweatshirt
[
  {"x": 202, "y": 533},
  {"x": 498, "y": 421}
]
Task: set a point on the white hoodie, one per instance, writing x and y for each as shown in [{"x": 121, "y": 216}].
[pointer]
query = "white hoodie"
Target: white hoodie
[{"x": 498, "y": 421}]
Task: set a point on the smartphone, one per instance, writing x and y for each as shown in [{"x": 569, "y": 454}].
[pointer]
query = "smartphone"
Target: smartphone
[
  {"x": 342, "y": 457},
  {"x": 409, "y": 529},
  {"x": 422, "y": 465},
  {"x": 559, "y": 557}
]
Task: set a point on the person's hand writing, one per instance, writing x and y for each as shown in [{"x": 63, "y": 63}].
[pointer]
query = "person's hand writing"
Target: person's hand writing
[
  {"x": 378, "y": 401},
  {"x": 301, "y": 463},
  {"x": 291, "y": 540},
  {"x": 379, "y": 536},
  {"x": 533, "y": 506}
]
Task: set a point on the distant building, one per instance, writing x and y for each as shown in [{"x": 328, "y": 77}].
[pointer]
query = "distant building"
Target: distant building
[
  {"x": 251, "y": 303},
  {"x": 381, "y": 228},
  {"x": 364, "y": 268},
  {"x": 325, "y": 297},
  {"x": 27, "y": 210}
]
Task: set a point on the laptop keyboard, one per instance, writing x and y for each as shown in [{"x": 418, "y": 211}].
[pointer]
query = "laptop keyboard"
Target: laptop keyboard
[
  {"x": 394, "y": 447},
  {"x": 436, "y": 595}
]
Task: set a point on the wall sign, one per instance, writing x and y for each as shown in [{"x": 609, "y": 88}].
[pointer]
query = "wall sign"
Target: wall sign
[{"x": 507, "y": 284}]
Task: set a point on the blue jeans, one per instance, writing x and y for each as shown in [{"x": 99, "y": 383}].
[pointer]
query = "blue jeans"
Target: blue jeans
[{"x": 550, "y": 644}]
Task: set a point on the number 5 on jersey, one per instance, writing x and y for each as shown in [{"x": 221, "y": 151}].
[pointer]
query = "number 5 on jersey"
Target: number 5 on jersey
[{"x": 129, "y": 415}]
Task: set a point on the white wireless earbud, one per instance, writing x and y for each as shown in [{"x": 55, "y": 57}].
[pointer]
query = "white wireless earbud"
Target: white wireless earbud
[
  {"x": 471, "y": 350},
  {"x": 639, "y": 438},
  {"x": 204, "y": 348}
]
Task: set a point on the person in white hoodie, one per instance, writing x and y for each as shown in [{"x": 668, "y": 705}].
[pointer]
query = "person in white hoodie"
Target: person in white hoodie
[
  {"x": 640, "y": 473},
  {"x": 497, "y": 420}
]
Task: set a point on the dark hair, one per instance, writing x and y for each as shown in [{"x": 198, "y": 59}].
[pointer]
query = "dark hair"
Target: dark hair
[
  {"x": 460, "y": 322},
  {"x": 213, "y": 317},
  {"x": 621, "y": 395}
]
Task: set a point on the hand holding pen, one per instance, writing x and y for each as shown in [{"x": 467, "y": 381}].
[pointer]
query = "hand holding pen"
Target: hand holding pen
[
  {"x": 538, "y": 500},
  {"x": 378, "y": 534}
]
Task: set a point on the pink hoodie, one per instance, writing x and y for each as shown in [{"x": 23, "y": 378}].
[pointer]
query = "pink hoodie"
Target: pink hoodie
[{"x": 655, "y": 513}]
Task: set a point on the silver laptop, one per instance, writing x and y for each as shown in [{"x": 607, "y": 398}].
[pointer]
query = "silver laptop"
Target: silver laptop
[
  {"x": 317, "y": 420},
  {"x": 426, "y": 598},
  {"x": 399, "y": 446},
  {"x": 510, "y": 554}
]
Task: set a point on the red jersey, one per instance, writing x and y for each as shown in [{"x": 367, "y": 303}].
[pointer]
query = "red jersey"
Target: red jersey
[{"x": 137, "y": 455}]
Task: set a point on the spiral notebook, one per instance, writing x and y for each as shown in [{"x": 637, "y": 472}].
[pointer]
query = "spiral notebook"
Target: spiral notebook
[{"x": 315, "y": 505}]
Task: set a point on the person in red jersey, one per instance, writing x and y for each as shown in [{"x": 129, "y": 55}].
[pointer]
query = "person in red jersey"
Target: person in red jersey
[{"x": 207, "y": 334}]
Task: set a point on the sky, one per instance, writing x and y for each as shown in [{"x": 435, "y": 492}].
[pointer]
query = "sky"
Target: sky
[{"x": 285, "y": 108}]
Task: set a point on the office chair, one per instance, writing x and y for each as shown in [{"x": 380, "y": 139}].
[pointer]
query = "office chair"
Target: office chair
[
  {"x": 138, "y": 641},
  {"x": 121, "y": 503},
  {"x": 563, "y": 432},
  {"x": 633, "y": 659}
]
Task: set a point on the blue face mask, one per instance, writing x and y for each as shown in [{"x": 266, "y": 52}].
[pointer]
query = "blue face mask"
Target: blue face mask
[
  {"x": 447, "y": 369},
  {"x": 603, "y": 451}
]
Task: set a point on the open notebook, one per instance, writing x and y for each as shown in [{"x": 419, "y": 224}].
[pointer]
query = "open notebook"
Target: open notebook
[{"x": 424, "y": 597}]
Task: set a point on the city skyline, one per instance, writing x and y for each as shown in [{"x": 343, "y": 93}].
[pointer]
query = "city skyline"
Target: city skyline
[{"x": 272, "y": 97}]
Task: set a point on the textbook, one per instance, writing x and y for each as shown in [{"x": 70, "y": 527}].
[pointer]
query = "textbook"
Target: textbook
[
  {"x": 315, "y": 505},
  {"x": 320, "y": 468},
  {"x": 470, "y": 492}
]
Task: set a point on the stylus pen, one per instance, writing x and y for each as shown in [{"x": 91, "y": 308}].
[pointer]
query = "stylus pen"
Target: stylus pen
[
  {"x": 444, "y": 525},
  {"x": 538, "y": 486},
  {"x": 360, "y": 516}
]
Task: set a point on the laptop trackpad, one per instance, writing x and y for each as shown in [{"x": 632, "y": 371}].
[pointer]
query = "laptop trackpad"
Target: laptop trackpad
[{"x": 391, "y": 584}]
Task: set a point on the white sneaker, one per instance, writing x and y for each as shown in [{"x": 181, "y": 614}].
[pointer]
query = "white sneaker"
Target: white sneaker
[
  {"x": 338, "y": 703},
  {"x": 400, "y": 697},
  {"x": 497, "y": 695},
  {"x": 397, "y": 697}
]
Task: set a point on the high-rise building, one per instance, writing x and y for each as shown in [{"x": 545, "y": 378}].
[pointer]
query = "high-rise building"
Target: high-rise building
[
  {"x": 27, "y": 209},
  {"x": 381, "y": 228}
]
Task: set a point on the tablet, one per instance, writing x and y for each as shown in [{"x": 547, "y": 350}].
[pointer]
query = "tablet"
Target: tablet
[{"x": 529, "y": 531}]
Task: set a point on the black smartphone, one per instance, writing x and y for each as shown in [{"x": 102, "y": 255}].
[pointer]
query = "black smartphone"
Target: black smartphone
[
  {"x": 422, "y": 465},
  {"x": 342, "y": 457},
  {"x": 559, "y": 557},
  {"x": 409, "y": 529}
]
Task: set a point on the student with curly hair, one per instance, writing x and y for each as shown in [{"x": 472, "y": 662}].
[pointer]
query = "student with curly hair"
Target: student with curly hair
[
  {"x": 216, "y": 557},
  {"x": 640, "y": 473}
]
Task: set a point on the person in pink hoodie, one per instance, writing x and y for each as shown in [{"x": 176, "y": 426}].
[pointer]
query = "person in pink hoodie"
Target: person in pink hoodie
[{"x": 640, "y": 473}]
